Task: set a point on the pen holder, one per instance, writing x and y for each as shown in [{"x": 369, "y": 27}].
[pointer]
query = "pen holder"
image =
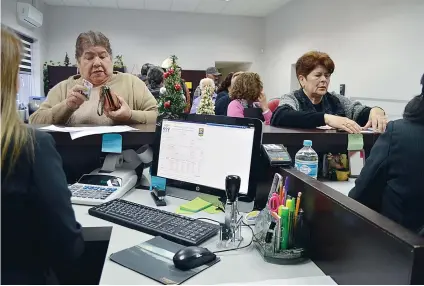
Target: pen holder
[{"x": 268, "y": 241}]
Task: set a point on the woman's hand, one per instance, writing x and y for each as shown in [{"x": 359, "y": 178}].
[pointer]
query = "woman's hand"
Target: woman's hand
[
  {"x": 263, "y": 101},
  {"x": 377, "y": 120},
  {"x": 122, "y": 114},
  {"x": 342, "y": 123},
  {"x": 74, "y": 98}
]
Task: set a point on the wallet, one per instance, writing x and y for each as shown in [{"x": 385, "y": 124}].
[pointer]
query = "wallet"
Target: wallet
[{"x": 107, "y": 101}]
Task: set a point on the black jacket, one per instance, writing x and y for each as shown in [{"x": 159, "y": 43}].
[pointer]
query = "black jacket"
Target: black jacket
[
  {"x": 39, "y": 230},
  {"x": 391, "y": 180}
]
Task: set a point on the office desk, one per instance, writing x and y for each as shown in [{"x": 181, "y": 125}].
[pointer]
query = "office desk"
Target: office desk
[
  {"x": 323, "y": 140},
  {"x": 247, "y": 263}
]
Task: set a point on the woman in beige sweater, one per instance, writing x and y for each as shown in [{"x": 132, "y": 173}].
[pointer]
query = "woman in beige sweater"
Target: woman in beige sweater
[{"x": 65, "y": 104}]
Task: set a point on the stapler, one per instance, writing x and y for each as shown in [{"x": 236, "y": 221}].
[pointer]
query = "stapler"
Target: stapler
[{"x": 158, "y": 197}]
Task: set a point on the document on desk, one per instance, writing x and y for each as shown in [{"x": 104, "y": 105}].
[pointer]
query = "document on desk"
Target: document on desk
[
  {"x": 78, "y": 132},
  {"x": 153, "y": 259}
]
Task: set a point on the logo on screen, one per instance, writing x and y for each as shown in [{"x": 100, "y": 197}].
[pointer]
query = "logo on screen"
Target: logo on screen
[
  {"x": 166, "y": 128},
  {"x": 201, "y": 131}
]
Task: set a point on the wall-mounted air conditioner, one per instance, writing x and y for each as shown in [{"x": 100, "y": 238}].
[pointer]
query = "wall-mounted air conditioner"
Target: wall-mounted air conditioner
[{"x": 29, "y": 15}]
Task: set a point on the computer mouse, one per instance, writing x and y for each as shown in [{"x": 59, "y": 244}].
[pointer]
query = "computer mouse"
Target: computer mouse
[{"x": 192, "y": 257}]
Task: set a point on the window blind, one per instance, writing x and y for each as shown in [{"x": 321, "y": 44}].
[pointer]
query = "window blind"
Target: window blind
[{"x": 26, "y": 61}]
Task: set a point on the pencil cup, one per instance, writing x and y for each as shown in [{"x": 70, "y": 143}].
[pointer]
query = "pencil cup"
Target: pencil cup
[{"x": 290, "y": 239}]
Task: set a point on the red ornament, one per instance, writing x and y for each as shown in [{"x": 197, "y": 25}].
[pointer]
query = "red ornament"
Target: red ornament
[
  {"x": 177, "y": 87},
  {"x": 167, "y": 104},
  {"x": 165, "y": 75},
  {"x": 171, "y": 72}
]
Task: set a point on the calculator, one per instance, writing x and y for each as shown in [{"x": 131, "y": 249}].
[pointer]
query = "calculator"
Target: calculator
[
  {"x": 97, "y": 188},
  {"x": 277, "y": 154}
]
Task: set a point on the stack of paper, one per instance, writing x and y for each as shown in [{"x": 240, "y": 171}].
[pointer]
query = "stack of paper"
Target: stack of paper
[{"x": 78, "y": 132}]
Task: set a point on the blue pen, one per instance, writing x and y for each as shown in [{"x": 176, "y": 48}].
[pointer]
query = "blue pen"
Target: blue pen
[{"x": 286, "y": 189}]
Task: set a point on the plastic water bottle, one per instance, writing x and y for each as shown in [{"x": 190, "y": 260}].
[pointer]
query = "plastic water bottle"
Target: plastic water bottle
[{"x": 306, "y": 160}]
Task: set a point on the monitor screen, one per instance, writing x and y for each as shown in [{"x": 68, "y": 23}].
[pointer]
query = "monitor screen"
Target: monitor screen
[{"x": 205, "y": 153}]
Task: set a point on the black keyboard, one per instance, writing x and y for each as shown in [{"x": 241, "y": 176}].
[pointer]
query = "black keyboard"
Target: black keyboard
[{"x": 177, "y": 228}]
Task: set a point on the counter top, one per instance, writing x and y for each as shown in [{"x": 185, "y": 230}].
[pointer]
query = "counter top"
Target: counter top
[{"x": 248, "y": 258}]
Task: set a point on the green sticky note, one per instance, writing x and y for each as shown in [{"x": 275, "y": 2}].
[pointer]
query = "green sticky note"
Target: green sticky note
[
  {"x": 212, "y": 210},
  {"x": 212, "y": 199},
  {"x": 195, "y": 205},
  {"x": 355, "y": 142},
  {"x": 183, "y": 212}
]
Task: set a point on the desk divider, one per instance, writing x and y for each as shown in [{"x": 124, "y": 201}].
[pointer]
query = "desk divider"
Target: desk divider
[{"x": 354, "y": 244}]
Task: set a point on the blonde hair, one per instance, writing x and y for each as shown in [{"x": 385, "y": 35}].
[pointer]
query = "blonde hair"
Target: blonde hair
[
  {"x": 207, "y": 86},
  {"x": 233, "y": 79},
  {"x": 15, "y": 136}
]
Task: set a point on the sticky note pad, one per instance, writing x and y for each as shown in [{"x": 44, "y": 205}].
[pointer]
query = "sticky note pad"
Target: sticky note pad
[
  {"x": 183, "y": 212},
  {"x": 112, "y": 143},
  {"x": 355, "y": 142},
  {"x": 158, "y": 183},
  {"x": 212, "y": 210},
  {"x": 195, "y": 205}
]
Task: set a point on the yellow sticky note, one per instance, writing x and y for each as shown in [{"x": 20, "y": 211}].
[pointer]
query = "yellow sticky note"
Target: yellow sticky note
[
  {"x": 195, "y": 205},
  {"x": 183, "y": 212},
  {"x": 189, "y": 84},
  {"x": 212, "y": 210}
]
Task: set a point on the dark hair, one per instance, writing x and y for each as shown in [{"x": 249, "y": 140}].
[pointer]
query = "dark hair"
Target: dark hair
[
  {"x": 414, "y": 110},
  {"x": 145, "y": 68},
  {"x": 422, "y": 84},
  {"x": 155, "y": 77},
  {"x": 226, "y": 83},
  {"x": 309, "y": 61},
  {"x": 91, "y": 39}
]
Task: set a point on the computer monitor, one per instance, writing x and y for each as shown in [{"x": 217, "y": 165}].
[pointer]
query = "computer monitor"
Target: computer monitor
[{"x": 199, "y": 152}]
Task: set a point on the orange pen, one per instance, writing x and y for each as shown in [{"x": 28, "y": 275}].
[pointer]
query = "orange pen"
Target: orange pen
[
  {"x": 281, "y": 193},
  {"x": 299, "y": 194}
]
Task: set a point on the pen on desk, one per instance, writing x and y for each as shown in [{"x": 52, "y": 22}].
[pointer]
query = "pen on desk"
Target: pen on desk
[
  {"x": 284, "y": 228},
  {"x": 296, "y": 212}
]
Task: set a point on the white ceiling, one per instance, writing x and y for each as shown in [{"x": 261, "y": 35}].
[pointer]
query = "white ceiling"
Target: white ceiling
[{"x": 258, "y": 8}]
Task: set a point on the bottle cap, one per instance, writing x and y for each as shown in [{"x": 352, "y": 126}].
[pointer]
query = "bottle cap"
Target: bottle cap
[{"x": 307, "y": 143}]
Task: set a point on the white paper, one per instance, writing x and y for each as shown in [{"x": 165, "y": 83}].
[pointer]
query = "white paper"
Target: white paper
[
  {"x": 78, "y": 132},
  {"x": 101, "y": 130}
]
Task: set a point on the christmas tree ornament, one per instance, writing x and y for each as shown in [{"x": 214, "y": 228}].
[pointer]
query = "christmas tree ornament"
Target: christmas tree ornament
[{"x": 171, "y": 102}]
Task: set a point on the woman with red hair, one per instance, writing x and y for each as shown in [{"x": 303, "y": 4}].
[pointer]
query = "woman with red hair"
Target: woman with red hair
[{"x": 313, "y": 106}]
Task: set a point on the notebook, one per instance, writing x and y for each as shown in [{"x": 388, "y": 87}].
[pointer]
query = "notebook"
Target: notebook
[{"x": 153, "y": 259}]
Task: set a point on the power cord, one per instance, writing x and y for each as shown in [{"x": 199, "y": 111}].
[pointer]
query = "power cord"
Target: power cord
[{"x": 254, "y": 238}]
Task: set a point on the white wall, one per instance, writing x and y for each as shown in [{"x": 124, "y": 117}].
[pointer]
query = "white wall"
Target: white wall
[
  {"x": 377, "y": 47},
  {"x": 149, "y": 36},
  {"x": 8, "y": 17}
]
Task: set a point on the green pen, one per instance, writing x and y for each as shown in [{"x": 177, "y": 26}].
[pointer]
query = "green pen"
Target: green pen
[{"x": 284, "y": 228}]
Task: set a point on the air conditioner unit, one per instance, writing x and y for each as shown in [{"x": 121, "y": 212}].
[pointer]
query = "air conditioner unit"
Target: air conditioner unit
[{"x": 29, "y": 15}]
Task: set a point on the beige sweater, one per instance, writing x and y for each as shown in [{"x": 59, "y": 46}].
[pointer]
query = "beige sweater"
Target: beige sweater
[{"x": 54, "y": 109}]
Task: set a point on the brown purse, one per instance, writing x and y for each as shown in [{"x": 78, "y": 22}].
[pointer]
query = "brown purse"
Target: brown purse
[{"x": 107, "y": 101}]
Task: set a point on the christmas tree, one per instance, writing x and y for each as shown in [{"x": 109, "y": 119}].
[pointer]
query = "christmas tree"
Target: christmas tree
[
  {"x": 171, "y": 103},
  {"x": 66, "y": 61},
  {"x": 206, "y": 105}
]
